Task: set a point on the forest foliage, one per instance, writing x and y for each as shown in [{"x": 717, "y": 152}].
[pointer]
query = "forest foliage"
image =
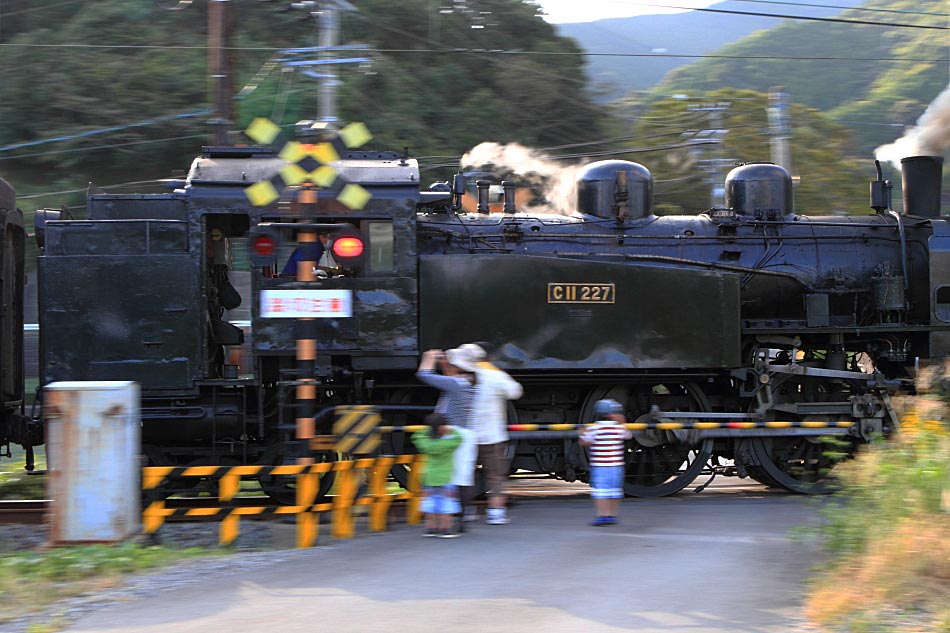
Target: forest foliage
[
  {"x": 80, "y": 66},
  {"x": 874, "y": 78},
  {"x": 437, "y": 82}
]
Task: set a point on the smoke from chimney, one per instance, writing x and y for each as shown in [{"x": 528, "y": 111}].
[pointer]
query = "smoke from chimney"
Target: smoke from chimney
[
  {"x": 530, "y": 168},
  {"x": 930, "y": 137}
]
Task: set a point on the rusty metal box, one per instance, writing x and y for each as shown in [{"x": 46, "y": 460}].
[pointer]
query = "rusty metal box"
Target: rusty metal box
[{"x": 93, "y": 445}]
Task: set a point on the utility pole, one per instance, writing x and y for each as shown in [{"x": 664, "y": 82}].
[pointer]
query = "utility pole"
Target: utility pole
[
  {"x": 329, "y": 37},
  {"x": 221, "y": 82},
  {"x": 219, "y": 65},
  {"x": 328, "y": 16},
  {"x": 779, "y": 130},
  {"x": 714, "y": 163}
]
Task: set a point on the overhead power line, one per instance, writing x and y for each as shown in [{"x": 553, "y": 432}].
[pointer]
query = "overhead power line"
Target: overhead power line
[
  {"x": 105, "y": 130},
  {"x": 834, "y": 6},
  {"x": 703, "y": 56},
  {"x": 99, "y": 147},
  {"x": 45, "y": 7},
  {"x": 487, "y": 52},
  {"x": 800, "y": 17}
]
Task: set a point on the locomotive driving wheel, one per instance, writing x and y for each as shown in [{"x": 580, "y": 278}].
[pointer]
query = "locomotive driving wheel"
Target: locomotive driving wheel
[
  {"x": 283, "y": 489},
  {"x": 799, "y": 464},
  {"x": 400, "y": 442},
  {"x": 659, "y": 463}
]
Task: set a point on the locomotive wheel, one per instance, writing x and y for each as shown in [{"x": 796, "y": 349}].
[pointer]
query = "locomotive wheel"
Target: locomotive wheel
[
  {"x": 283, "y": 489},
  {"x": 798, "y": 464},
  {"x": 664, "y": 468},
  {"x": 400, "y": 443}
]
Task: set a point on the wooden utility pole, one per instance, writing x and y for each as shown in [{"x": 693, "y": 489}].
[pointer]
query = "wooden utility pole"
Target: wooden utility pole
[{"x": 219, "y": 67}]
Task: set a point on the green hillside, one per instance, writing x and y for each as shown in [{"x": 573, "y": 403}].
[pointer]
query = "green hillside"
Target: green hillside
[
  {"x": 902, "y": 69},
  {"x": 635, "y": 53},
  {"x": 74, "y": 67}
]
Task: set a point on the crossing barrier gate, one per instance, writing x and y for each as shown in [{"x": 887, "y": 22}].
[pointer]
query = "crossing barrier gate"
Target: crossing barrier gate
[{"x": 306, "y": 508}]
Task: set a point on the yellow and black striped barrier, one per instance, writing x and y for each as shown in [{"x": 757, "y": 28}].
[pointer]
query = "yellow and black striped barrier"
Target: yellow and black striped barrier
[
  {"x": 306, "y": 509},
  {"x": 659, "y": 426}
]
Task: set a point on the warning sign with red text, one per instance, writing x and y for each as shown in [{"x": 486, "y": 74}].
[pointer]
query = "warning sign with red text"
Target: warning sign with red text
[{"x": 306, "y": 304}]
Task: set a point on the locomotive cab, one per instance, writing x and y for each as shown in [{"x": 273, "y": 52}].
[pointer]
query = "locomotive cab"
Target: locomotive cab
[{"x": 361, "y": 287}]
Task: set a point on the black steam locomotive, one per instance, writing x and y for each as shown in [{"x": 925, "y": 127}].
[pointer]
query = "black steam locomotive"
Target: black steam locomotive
[
  {"x": 14, "y": 424},
  {"x": 764, "y": 330}
]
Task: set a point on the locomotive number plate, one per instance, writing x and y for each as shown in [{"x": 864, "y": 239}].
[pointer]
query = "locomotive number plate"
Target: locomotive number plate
[
  {"x": 307, "y": 304},
  {"x": 581, "y": 293}
]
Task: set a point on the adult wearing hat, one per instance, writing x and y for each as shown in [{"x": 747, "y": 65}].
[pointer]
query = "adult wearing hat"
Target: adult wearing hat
[
  {"x": 493, "y": 389},
  {"x": 456, "y": 382}
]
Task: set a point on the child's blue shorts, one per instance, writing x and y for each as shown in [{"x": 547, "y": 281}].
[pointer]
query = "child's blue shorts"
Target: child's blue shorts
[
  {"x": 441, "y": 500},
  {"x": 606, "y": 482}
]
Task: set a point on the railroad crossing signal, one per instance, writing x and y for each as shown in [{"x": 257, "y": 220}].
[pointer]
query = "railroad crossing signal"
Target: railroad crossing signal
[
  {"x": 308, "y": 162},
  {"x": 356, "y": 428}
]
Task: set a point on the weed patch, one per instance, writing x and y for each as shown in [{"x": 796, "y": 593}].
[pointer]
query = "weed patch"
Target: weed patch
[
  {"x": 15, "y": 483},
  {"x": 889, "y": 532},
  {"x": 30, "y": 581}
]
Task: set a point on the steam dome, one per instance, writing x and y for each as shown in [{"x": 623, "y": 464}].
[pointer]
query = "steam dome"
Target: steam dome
[
  {"x": 761, "y": 190},
  {"x": 597, "y": 187}
]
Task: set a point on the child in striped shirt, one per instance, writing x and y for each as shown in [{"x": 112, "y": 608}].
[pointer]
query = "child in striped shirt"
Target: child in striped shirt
[{"x": 605, "y": 441}]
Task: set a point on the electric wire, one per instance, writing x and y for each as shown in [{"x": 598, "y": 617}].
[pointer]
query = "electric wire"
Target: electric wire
[
  {"x": 834, "y": 6},
  {"x": 796, "y": 17}
]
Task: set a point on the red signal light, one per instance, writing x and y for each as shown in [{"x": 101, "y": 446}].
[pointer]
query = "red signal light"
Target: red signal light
[
  {"x": 264, "y": 245},
  {"x": 347, "y": 246}
]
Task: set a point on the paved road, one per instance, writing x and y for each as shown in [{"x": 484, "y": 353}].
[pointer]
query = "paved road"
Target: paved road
[{"x": 721, "y": 561}]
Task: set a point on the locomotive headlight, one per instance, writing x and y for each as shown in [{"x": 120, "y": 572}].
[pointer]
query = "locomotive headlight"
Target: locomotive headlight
[{"x": 348, "y": 246}]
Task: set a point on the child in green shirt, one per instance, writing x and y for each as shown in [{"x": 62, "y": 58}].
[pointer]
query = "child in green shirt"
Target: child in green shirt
[{"x": 441, "y": 501}]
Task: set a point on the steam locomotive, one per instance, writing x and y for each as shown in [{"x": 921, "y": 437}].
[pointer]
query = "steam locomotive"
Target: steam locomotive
[{"x": 758, "y": 330}]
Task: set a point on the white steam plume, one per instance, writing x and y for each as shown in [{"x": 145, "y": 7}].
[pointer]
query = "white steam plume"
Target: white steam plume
[
  {"x": 930, "y": 137},
  {"x": 529, "y": 168}
]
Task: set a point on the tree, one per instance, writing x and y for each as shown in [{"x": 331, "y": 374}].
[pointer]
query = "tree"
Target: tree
[{"x": 830, "y": 181}]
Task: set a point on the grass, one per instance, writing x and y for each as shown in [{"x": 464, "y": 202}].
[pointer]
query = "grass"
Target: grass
[
  {"x": 15, "y": 483},
  {"x": 888, "y": 532},
  {"x": 32, "y": 581}
]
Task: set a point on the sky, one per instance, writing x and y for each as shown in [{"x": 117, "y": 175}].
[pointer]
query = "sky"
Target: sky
[{"x": 562, "y": 11}]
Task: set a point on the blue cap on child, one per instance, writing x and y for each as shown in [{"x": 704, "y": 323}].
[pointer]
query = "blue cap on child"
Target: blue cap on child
[{"x": 603, "y": 408}]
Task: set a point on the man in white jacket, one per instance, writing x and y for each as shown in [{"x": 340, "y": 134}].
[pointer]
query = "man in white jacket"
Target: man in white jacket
[{"x": 493, "y": 389}]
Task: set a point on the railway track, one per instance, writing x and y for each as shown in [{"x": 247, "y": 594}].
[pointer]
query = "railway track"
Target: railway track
[{"x": 22, "y": 511}]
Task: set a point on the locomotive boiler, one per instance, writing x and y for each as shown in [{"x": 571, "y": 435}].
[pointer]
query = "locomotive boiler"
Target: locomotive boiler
[{"x": 761, "y": 329}]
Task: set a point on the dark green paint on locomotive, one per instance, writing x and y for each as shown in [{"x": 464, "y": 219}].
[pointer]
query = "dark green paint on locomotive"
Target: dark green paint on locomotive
[{"x": 660, "y": 317}]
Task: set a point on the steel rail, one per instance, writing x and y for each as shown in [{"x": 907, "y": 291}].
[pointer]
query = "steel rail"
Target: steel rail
[{"x": 31, "y": 511}]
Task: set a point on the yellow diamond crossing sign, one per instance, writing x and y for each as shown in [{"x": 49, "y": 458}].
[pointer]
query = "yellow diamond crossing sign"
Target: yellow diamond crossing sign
[
  {"x": 309, "y": 163},
  {"x": 356, "y": 428}
]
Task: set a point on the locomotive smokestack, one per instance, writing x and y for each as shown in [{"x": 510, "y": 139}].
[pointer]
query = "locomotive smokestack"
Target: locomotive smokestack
[
  {"x": 483, "y": 186},
  {"x": 921, "y": 178},
  {"x": 509, "y": 188}
]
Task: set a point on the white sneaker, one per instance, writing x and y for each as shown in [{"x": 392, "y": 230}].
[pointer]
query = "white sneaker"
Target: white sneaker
[{"x": 497, "y": 516}]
